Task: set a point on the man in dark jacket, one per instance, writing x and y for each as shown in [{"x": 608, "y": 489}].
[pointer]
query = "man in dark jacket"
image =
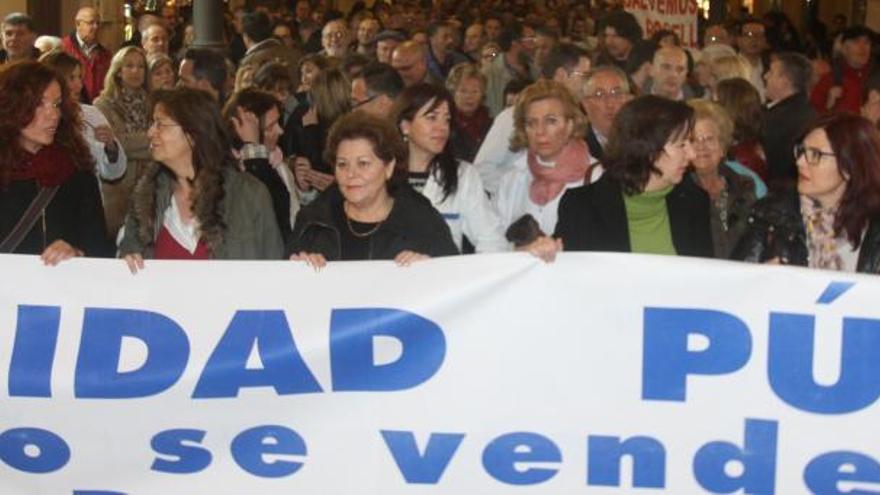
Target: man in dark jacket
[
  {"x": 786, "y": 115},
  {"x": 262, "y": 48}
]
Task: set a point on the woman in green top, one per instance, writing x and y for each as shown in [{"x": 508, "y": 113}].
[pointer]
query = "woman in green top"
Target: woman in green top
[{"x": 644, "y": 203}]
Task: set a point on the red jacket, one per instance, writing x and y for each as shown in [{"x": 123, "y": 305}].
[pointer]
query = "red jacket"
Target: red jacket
[
  {"x": 94, "y": 67},
  {"x": 853, "y": 84}
]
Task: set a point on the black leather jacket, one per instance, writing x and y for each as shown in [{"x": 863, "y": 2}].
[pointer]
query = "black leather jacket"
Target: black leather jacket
[{"x": 776, "y": 229}]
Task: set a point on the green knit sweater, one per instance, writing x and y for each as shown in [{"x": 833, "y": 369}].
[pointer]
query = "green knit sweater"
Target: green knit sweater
[{"x": 648, "y": 221}]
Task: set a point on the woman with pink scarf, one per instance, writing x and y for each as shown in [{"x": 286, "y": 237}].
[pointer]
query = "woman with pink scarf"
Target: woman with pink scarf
[{"x": 548, "y": 126}]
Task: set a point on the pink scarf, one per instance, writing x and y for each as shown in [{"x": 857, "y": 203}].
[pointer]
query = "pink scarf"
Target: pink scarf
[{"x": 548, "y": 182}]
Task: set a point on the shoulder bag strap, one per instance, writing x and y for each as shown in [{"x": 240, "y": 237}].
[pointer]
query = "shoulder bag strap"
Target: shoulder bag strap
[{"x": 27, "y": 221}]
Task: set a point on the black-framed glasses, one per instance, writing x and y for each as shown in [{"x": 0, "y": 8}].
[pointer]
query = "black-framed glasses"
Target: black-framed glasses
[
  {"x": 358, "y": 104},
  {"x": 811, "y": 155}
]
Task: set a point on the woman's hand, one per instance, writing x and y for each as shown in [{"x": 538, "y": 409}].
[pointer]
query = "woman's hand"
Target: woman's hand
[
  {"x": 314, "y": 260},
  {"x": 407, "y": 257},
  {"x": 247, "y": 126},
  {"x": 302, "y": 172},
  {"x": 544, "y": 247},
  {"x": 310, "y": 117},
  {"x": 134, "y": 261},
  {"x": 59, "y": 251},
  {"x": 320, "y": 180},
  {"x": 104, "y": 134}
]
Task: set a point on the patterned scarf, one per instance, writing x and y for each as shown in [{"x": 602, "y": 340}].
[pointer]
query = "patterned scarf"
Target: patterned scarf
[
  {"x": 134, "y": 109},
  {"x": 824, "y": 247},
  {"x": 548, "y": 182}
]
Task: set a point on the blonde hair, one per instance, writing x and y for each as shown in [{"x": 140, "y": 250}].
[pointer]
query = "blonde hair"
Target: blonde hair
[
  {"x": 544, "y": 90},
  {"x": 730, "y": 67},
  {"x": 244, "y": 77},
  {"x": 464, "y": 71},
  {"x": 113, "y": 81},
  {"x": 709, "y": 110}
]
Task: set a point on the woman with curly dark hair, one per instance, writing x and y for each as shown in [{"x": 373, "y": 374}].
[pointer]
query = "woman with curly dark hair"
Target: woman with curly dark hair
[
  {"x": 832, "y": 221},
  {"x": 193, "y": 202},
  {"x": 49, "y": 199},
  {"x": 643, "y": 203}
]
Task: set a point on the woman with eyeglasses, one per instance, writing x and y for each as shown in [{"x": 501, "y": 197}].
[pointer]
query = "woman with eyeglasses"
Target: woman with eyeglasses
[
  {"x": 832, "y": 221},
  {"x": 732, "y": 188},
  {"x": 424, "y": 115},
  {"x": 193, "y": 202}
]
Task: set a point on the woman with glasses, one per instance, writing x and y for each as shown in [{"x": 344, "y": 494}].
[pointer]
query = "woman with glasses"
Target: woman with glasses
[
  {"x": 732, "y": 188},
  {"x": 644, "y": 202},
  {"x": 832, "y": 221},
  {"x": 192, "y": 201},
  {"x": 424, "y": 115}
]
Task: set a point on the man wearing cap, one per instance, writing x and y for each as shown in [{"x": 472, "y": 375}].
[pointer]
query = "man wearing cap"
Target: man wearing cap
[
  {"x": 841, "y": 89},
  {"x": 619, "y": 31},
  {"x": 94, "y": 58}
]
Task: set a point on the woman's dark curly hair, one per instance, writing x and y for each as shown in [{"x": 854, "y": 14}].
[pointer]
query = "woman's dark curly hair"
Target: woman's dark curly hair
[
  {"x": 641, "y": 130},
  {"x": 386, "y": 141},
  {"x": 21, "y": 91},
  {"x": 856, "y": 143},
  {"x": 198, "y": 116},
  {"x": 407, "y": 105}
]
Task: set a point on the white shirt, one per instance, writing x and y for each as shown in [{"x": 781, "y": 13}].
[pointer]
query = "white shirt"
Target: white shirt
[
  {"x": 494, "y": 157},
  {"x": 107, "y": 170},
  {"x": 187, "y": 235}
]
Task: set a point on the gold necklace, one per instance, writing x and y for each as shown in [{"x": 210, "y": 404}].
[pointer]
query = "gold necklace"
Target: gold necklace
[{"x": 362, "y": 234}]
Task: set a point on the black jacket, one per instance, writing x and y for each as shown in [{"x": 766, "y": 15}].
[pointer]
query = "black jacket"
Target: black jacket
[
  {"x": 74, "y": 215},
  {"x": 262, "y": 170},
  {"x": 596, "y": 149},
  {"x": 782, "y": 125},
  {"x": 593, "y": 218},
  {"x": 413, "y": 224},
  {"x": 776, "y": 230}
]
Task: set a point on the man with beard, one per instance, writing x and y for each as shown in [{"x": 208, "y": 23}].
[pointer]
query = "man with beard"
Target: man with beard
[{"x": 441, "y": 50}]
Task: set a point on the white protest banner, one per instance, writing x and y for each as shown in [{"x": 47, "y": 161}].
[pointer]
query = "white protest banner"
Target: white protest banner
[
  {"x": 487, "y": 374},
  {"x": 679, "y": 16}
]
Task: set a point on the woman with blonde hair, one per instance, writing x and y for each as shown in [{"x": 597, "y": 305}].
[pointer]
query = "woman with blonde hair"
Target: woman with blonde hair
[
  {"x": 467, "y": 84},
  {"x": 732, "y": 188},
  {"x": 727, "y": 67},
  {"x": 124, "y": 102},
  {"x": 160, "y": 72},
  {"x": 548, "y": 130},
  {"x": 329, "y": 99}
]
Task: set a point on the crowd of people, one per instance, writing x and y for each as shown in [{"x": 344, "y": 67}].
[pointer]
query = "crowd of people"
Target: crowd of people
[{"x": 403, "y": 132}]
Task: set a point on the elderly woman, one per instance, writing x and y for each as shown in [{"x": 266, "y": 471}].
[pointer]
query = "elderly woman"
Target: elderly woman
[
  {"x": 732, "y": 188},
  {"x": 160, "y": 72},
  {"x": 124, "y": 102},
  {"x": 424, "y": 113},
  {"x": 832, "y": 221},
  {"x": 472, "y": 121},
  {"x": 193, "y": 202},
  {"x": 643, "y": 203},
  {"x": 548, "y": 126},
  {"x": 110, "y": 159},
  {"x": 372, "y": 213},
  {"x": 49, "y": 199}
]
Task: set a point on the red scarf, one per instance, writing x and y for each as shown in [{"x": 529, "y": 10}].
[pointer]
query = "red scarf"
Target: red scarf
[
  {"x": 548, "y": 182},
  {"x": 51, "y": 166}
]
